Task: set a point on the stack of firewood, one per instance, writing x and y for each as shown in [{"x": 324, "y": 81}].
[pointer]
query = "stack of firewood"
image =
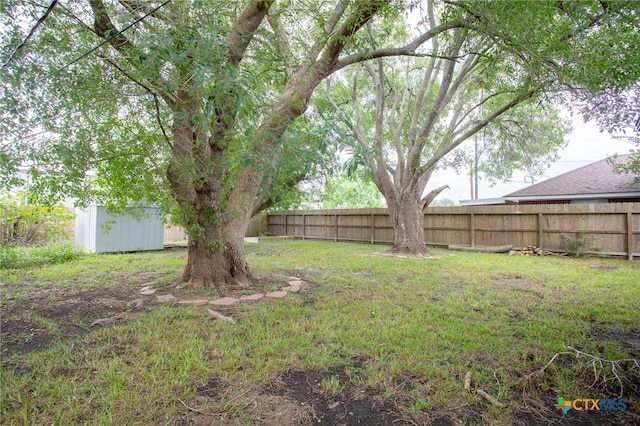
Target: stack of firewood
[{"x": 527, "y": 251}]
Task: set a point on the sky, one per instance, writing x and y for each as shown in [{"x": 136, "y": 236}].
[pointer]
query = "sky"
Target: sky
[{"x": 586, "y": 144}]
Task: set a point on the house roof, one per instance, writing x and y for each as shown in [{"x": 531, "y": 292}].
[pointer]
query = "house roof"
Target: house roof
[{"x": 597, "y": 178}]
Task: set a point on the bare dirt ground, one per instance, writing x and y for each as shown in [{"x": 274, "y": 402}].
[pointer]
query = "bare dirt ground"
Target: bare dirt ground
[
  {"x": 74, "y": 311},
  {"x": 291, "y": 399}
]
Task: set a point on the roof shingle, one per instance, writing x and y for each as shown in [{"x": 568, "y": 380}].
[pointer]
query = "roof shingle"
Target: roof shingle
[{"x": 594, "y": 178}]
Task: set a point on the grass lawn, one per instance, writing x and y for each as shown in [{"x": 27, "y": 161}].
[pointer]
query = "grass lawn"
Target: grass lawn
[{"x": 462, "y": 338}]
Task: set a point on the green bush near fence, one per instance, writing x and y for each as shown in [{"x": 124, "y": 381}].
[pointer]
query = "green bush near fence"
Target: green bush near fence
[
  {"x": 33, "y": 234},
  {"x": 26, "y": 223}
]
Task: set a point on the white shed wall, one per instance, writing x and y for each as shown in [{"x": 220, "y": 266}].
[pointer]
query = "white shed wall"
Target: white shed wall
[{"x": 124, "y": 233}]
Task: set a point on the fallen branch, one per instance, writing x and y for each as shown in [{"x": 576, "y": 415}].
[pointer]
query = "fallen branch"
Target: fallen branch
[
  {"x": 481, "y": 392},
  {"x": 482, "y": 249},
  {"x": 218, "y": 315},
  {"x": 467, "y": 381},
  {"x": 489, "y": 398},
  {"x": 194, "y": 410}
]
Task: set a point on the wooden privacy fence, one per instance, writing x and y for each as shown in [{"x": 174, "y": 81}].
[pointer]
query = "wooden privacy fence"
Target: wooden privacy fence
[
  {"x": 257, "y": 226},
  {"x": 612, "y": 229}
]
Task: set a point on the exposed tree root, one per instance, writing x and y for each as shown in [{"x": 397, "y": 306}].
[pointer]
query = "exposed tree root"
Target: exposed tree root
[{"x": 595, "y": 363}]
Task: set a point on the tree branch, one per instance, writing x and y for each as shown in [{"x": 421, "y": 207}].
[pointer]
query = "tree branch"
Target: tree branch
[
  {"x": 329, "y": 27},
  {"x": 479, "y": 126},
  {"x": 245, "y": 27},
  {"x": 139, "y": 7},
  {"x": 283, "y": 46},
  {"x": 151, "y": 88},
  {"x": 428, "y": 79},
  {"x": 105, "y": 29},
  {"x": 407, "y": 50},
  {"x": 353, "y": 23},
  {"x": 428, "y": 199},
  {"x": 442, "y": 98}
]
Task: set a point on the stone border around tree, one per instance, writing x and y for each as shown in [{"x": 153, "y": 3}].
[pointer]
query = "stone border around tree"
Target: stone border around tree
[{"x": 295, "y": 284}]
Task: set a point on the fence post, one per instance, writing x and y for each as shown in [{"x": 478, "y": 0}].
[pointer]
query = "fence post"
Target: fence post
[
  {"x": 629, "y": 235},
  {"x": 335, "y": 223},
  {"x": 304, "y": 226},
  {"x": 472, "y": 221},
  {"x": 373, "y": 229},
  {"x": 286, "y": 225},
  {"x": 540, "y": 232}
]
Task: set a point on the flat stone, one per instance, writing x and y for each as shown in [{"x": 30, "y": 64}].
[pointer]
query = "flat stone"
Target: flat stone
[
  {"x": 251, "y": 297},
  {"x": 276, "y": 294},
  {"x": 135, "y": 303},
  {"x": 146, "y": 287},
  {"x": 167, "y": 298},
  {"x": 199, "y": 302},
  {"x": 224, "y": 301},
  {"x": 295, "y": 282},
  {"x": 293, "y": 288},
  {"x": 147, "y": 291}
]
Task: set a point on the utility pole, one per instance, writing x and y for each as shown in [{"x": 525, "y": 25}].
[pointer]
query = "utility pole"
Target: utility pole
[
  {"x": 471, "y": 181},
  {"x": 476, "y": 167}
]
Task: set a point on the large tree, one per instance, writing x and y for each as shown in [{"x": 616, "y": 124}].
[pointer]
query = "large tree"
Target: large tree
[
  {"x": 494, "y": 79},
  {"x": 202, "y": 95}
]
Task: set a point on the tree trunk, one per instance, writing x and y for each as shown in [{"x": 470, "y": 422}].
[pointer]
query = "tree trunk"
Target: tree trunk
[
  {"x": 216, "y": 237},
  {"x": 221, "y": 263},
  {"x": 407, "y": 219}
]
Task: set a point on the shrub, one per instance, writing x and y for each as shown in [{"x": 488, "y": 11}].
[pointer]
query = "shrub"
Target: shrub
[
  {"x": 575, "y": 246},
  {"x": 23, "y": 223}
]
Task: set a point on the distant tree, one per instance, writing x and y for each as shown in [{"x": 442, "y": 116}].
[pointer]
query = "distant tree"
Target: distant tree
[
  {"x": 617, "y": 112},
  {"x": 351, "y": 191},
  {"x": 443, "y": 202}
]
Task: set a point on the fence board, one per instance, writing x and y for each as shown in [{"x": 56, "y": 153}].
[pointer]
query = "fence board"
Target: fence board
[
  {"x": 608, "y": 228},
  {"x": 258, "y": 225}
]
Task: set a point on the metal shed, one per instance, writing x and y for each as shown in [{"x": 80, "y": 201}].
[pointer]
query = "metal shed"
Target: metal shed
[{"x": 100, "y": 232}]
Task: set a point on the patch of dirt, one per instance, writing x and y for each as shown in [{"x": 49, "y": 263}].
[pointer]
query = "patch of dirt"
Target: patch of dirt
[
  {"x": 347, "y": 405},
  {"x": 70, "y": 314},
  {"x": 515, "y": 283},
  {"x": 296, "y": 398},
  {"x": 629, "y": 341},
  {"x": 299, "y": 398}
]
